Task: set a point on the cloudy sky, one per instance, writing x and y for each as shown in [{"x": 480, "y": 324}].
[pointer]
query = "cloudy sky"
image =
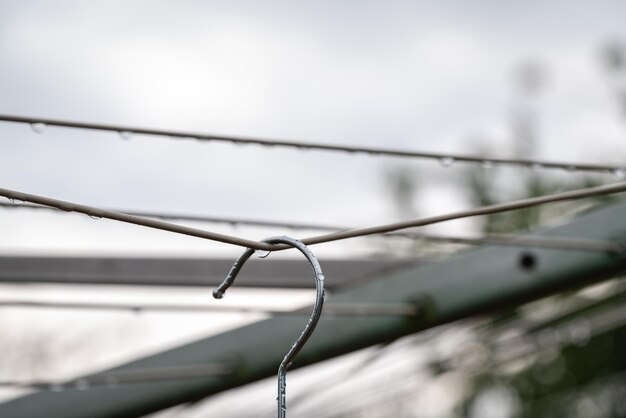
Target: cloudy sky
[
  {"x": 436, "y": 76},
  {"x": 432, "y": 75}
]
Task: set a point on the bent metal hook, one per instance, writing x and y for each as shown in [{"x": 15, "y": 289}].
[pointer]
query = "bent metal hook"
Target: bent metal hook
[{"x": 219, "y": 291}]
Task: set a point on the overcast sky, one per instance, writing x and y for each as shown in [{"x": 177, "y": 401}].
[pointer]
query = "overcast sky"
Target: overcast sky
[
  {"x": 434, "y": 76},
  {"x": 414, "y": 75}
]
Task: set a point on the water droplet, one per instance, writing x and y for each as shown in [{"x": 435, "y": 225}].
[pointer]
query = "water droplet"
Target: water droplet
[
  {"x": 446, "y": 161},
  {"x": 82, "y": 384},
  {"x": 262, "y": 253},
  {"x": 619, "y": 173},
  {"x": 97, "y": 218},
  {"x": 536, "y": 167},
  {"x": 126, "y": 135},
  {"x": 38, "y": 127},
  {"x": 487, "y": 165},
  {"x": 15, "y": 201},
  {"x": 570, "y": 168}
]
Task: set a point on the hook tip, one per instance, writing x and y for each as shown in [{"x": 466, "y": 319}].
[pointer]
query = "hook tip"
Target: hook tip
[{"x": 218, "y": 293}]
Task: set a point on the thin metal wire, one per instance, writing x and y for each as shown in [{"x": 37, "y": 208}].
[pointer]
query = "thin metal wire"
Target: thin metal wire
[
  {"x": 118, "y": 377},
  {"x": 558, "y": 243},
  {"x": 297, "y": 346},
  {"x": 197, "y": 218},
  {"x": 342, "y": 309},
  {"x": 136, "y": 220},
  {"x": 39, "y": 124},
  {"x": 330, "y": 237},
  {"x": 483, "y": 210}
]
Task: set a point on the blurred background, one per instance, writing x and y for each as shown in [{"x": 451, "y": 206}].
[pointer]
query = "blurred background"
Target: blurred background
[{"x": 542, "y": 80}]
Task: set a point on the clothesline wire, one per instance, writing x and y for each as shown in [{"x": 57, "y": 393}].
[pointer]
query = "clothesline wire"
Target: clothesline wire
[
  {"x": 483, "y": 210},
  {"x": 329, "y": 237},
  {"x": 495, "y": 239},
  {"x": 446, "y": 159}
]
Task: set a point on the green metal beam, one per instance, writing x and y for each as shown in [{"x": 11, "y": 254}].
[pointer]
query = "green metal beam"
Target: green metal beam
[{"x": 480, "y": 280}]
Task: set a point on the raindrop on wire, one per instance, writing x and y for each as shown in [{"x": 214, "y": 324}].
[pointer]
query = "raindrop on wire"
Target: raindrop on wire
[
  {"x": 446, "y": 161},
  {"x": 262, "y": 253},
  {"x": 619, "y": 173},
  {"x": 126, "y": 135},
  {"x": 95, "y": 217},
  {"x": 56, "y": 387},
  {"x": 487, "y": 165},
  {"x": 38, "y": 127},
  {"x": 536, "y": 167}
]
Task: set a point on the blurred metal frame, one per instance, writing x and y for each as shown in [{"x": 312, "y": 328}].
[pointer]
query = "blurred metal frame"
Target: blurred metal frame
[{"x": 471, "y": 282}]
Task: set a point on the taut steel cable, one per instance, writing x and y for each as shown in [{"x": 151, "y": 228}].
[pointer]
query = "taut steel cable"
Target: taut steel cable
[
  {"x": 445, "y": 159},
  {"x": 333, "y": 236},
  {"x": 568, "y": 243}
]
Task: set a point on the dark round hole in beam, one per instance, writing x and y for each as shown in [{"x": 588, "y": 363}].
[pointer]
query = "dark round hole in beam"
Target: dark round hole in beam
[{"x": 527, "y": 261}]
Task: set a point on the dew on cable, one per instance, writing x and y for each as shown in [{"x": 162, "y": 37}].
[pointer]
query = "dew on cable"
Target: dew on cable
[
  {"x": 487, "y": 165},
  {"x": 38, "y": 127},
  {"x": 126, "y": 135},
  {"x": 619, "y": 173},
  {"x": 262, "y": 253},
  {"x": 446, "y": 162}
]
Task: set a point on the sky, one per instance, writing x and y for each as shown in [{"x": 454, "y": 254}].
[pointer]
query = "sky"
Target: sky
[{"x": 435, "y": 76}]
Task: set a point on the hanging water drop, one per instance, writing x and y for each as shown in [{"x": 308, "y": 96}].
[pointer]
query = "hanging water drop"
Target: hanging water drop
[
  {"x": 619, "y": 173},
  {"x": 487, "y": 165},
  {"x": 536, "y": 167},
  {"x": 446, "y": 161},
  {"x": 262, "y": 253},
  {"x": 38, "y": 127},
  {"x": 95, "y": 217},
  {"x": 126, "y": 135}
]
